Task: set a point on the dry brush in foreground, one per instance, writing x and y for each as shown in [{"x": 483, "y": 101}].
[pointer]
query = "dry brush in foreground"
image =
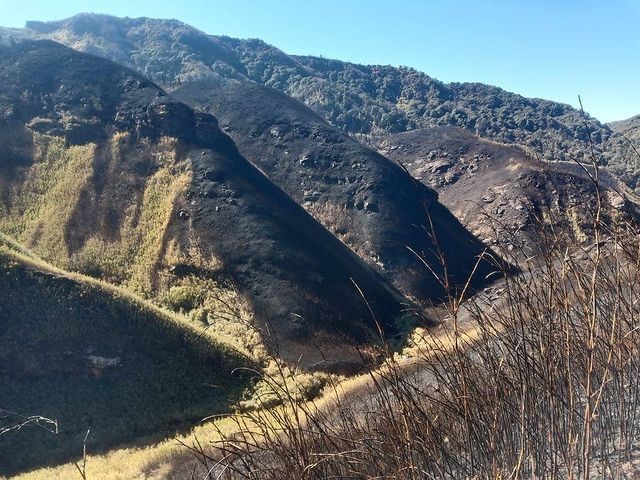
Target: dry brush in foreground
[{"x": 546, "y": 386}]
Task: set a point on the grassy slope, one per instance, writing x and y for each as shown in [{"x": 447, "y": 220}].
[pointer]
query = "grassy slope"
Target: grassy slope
[
  {"x": 49, "y": 201},
  {"x": 170, "y": 458},
  {"x": 169, "y": 376},
  {"x": 83, "y": 208}
]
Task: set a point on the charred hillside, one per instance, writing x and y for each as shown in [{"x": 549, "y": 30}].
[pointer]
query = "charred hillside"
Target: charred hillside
[
  {"x": 501, "y": 193},
  {"x": 114, "y": 178},
  {"x": 368, "y": 201}
]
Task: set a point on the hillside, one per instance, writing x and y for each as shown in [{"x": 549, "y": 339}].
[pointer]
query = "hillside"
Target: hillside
[
  {"x": 92, "y": 357},
  {"x": 630, "y": 128},
  {"x": 115, "y": 179},
  {"x": 220, "y": 260},
  {"x": 502, "y": 194},
  {"x": 368, "y": 201},
  {"x": 355, "y": 98},
  {"x": 375, "y": 99}
]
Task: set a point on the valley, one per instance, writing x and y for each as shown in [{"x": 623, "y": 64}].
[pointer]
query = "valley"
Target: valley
[{"x": 219, "y": 260}]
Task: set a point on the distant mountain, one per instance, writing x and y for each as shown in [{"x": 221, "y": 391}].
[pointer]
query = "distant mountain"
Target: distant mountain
[
  {"x": 358, "y": 99},
  {"x": 92, "y": 357},
  {"x": 630, "y": 128},
  {"x": 502, "y": 194},
  {"x": 103, "y": 173},
  {"x": 371, "y": 99}
]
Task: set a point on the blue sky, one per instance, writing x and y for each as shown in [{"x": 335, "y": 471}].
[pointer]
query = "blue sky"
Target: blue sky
[{"x": 551, "y": 49}]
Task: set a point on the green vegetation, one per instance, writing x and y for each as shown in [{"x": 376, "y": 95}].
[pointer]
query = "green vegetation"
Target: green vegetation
[
  {"x": 359, "y": 99},
  {"x": 41, "y": 205},
  {"x": 94, "y": 357},
  {"x": 375, "y": 99},
  {"x": 83, "y": 209},
  {"x": 49, "y": 208},
  {"x": 630, "y": 128}
]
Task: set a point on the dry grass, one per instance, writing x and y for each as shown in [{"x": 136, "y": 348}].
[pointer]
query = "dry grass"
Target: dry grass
[
  {"x": 154, "y": 461},
  {"x": 539, "y": 380},
  {"x": 542, "y": 382},
  {"x": 43, "y": 203},
  {"x": 77, "y": 192}
]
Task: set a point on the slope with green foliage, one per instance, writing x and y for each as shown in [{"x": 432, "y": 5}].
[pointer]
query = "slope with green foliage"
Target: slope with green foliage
[
  {"x": 359, "y": 99},
  {"x": 375, "y": 99},
  {"x": 92, "y": 357}
]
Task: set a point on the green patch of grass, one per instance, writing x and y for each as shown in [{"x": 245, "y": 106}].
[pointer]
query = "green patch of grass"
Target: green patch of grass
[{"x": 109, "y": 211}]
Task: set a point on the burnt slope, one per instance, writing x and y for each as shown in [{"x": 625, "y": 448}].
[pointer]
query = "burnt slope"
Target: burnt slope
[
  {"x": 90, "y": 356},
  {"x": 630, "y": 129},
  {"x": 159, "y": 186},
  {"x": 371, "y": 204},
  {"x": 500, "y": 192},
  {"x": 361, "y": 196}
]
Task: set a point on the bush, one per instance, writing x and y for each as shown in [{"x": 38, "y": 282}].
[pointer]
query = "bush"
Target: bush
[
  {"x": 182, "y": 298},
  {"x": 200, "y": 315}
]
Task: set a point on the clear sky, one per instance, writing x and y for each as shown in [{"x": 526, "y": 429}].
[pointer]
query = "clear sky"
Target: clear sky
[{"x": 555, "y": 49}]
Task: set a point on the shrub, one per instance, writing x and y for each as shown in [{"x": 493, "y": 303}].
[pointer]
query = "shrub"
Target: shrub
[
  {"x": 182, "y": 298},
  {"x": 200, "y": 315}
]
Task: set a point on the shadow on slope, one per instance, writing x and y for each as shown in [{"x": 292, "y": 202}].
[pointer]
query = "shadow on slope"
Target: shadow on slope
[{"x": 92, "y": 357}]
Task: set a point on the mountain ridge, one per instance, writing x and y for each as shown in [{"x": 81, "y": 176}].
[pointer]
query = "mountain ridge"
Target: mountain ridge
[
  {"x": 387, "y": 223},
  {"x": 361, "y": 99}
]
